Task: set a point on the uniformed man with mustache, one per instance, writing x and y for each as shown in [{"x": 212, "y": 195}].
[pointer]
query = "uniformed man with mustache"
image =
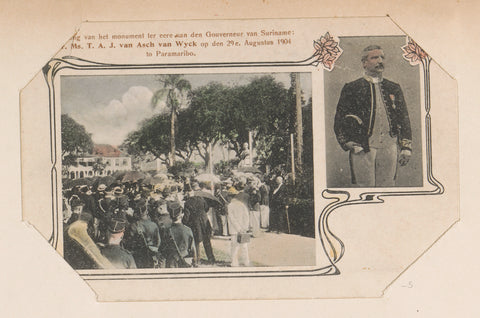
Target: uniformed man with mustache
[{"x": 372, "y": 124}]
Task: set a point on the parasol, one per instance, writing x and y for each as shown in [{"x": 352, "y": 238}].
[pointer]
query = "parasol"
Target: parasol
[
  {"x": 106, "y": 180},
  {"x": 153, "y": 180},
  {"x": 207, "y": 177},
  {"x": 207, "y": 196},
  {"x": 77, "y": 182},
  {"x": 161, "y": 176},
  {"x": 118, "y": 175},
  {"x": 134, "y": 176}
]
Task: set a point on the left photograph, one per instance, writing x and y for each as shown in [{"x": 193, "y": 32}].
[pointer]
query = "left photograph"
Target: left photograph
[{"x": 187, "y": 170}]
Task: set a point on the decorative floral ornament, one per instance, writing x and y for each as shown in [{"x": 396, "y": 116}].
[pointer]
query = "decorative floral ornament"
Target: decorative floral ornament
[
  {"x": 413, "y": 52},
  {"x": 327, "y": 51}
]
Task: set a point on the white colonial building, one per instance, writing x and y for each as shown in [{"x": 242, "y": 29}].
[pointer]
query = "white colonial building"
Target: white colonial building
[{"x": 105, "y": 160}]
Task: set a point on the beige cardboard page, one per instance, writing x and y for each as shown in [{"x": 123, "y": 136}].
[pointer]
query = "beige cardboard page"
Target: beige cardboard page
[{"x": 277, "y": 88}]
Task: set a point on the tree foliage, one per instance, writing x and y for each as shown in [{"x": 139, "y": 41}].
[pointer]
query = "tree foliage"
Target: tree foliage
[
  {"x": 205, "y": 117},
  {"x": 218, "y": 114},
  {"x": 151, "y": 138},
  {"x": 75, "y": 139},
  {"x": 272, "y": 109},
  {"x": 175, "y": 92}
]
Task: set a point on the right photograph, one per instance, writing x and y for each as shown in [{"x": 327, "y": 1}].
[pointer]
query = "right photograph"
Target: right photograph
[{"x": 373, "y": 116}]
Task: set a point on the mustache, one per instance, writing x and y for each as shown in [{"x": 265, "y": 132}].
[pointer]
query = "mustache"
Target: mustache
[{"x": 380, "y": 65}]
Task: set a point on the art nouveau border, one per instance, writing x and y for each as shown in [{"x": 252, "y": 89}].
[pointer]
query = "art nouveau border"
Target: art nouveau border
[
  {"x": 326, "y": 52},
  {"x": 333, "y": 247}
]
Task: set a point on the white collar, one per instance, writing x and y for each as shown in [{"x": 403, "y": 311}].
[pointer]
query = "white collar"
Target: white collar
[{"x": 374, "y": 80}]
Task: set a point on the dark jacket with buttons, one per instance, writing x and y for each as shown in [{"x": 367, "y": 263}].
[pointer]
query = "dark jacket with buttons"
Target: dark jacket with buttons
[{"x": 355, "y": 116}]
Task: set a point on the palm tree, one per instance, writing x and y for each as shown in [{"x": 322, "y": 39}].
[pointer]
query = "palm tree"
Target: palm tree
[{"x": 175, "y": 92}]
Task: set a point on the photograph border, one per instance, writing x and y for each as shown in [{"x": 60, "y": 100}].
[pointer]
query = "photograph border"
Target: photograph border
[
  {"x": 332, "y": 246},
  {"x": 414, "y": 54}
]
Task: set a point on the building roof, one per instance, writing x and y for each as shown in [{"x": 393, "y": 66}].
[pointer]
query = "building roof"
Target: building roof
[{"x": 106, "y": 150}]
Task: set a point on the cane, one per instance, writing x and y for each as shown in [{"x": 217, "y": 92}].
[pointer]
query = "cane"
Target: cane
[{"x": 288, "y": 221}]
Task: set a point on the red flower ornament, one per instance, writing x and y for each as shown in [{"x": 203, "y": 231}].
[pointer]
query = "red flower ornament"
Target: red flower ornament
[
  {"x": 413, "y": 52},
  {"x": 327, "y": 51}
]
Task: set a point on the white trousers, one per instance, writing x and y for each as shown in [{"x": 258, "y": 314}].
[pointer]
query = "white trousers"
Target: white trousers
[
  {"x": 254, "y": 220},
  {"x": 264, "y": 216},
  {"x": 376, "y": 168},
  {"x": 239, "y": 252}
]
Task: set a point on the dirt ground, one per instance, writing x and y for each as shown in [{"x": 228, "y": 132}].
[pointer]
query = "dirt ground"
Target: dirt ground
[{"x": 267, "y": 249}]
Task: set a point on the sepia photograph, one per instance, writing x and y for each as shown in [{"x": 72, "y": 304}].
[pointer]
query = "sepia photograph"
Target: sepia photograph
[
  {"x": 187, "y": 170},
  {"x": 373, "y": 116}
]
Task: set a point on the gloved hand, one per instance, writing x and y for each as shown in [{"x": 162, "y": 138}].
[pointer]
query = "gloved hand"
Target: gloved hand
[
  {"x": 404, "y": 157},
  {"x": 354, "y": 147}
]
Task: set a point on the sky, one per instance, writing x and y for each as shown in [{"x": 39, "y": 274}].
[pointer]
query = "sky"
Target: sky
[{"x": 111, "y": 106}]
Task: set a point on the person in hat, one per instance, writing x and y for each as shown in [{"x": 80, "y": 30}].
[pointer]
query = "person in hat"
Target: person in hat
[
  {"x": 119, "y": 205},
  {"x": 179, "y": 247},
  {"x": 143, "y": 237},
  {"x": 76, "y": 206},
  {"x": 117, "y": 255},
  {"x": 66, "y": 208},
  {"x": 105, "y": 206},
  {"x": 196, "y": 218},
  {"x": 238, "y": 224},
  {"x": 78, "y": 209},
  {"x": 158, "y": 213},
  {"x": 206, "y": 187},
  {"x": 98, "y": 212},
  {"x": 264, "y": 191},
  {"x": 278, "y": 203},
  {"x": 254, "y": 197},
  {"x": 221, "y": 209}
]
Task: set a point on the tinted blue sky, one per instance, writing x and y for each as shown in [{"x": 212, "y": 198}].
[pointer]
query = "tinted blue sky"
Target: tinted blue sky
[{"x": 111, "y": 106}]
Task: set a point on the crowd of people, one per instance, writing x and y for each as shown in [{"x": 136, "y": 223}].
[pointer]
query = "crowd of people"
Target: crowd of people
[{"x": 133, "y": 225}]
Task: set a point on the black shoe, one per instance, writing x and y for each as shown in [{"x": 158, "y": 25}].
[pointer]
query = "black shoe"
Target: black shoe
[{"x": 210, "y": 262}]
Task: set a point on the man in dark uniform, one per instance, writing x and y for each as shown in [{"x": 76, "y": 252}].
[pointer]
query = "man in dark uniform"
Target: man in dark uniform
[
  {"x": 196, "y": 208},
  {"x": 120, "y": 205},
  {"x": 372, "y": 123},
  {"x": 117, "y": 255},
  {"x": 221, "y": 209},
  {"x": 87, "y": 197},
  {"x": 143, "y": 238},
  {"x": 99, "y": 213},
  {"x": 264, "y": 204},
  {"x": 278, "y": 203},
  {"x": 180, "y": 243}
]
